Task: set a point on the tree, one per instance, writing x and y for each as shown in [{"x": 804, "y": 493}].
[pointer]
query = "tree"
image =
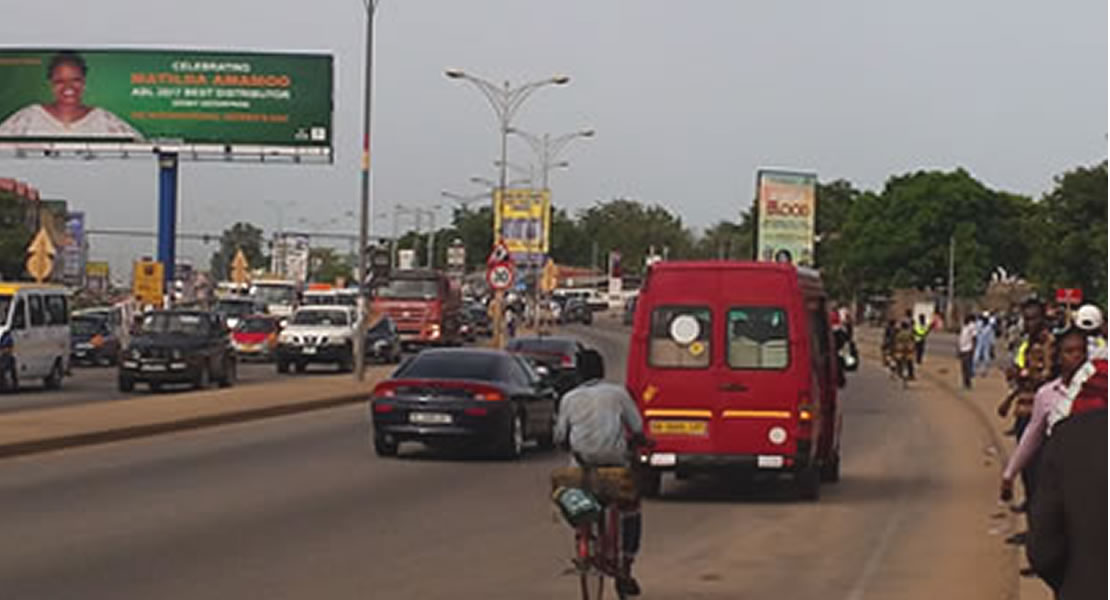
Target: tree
[
  {"x": 14, "y": 237},
  {"x": 629, "y": 227},
  {"x": 1068, "y": 227},
  {"x": 475, "y": 229},
  {"x": 327, "y": 266},
  {"x": 239, "y": 236}
]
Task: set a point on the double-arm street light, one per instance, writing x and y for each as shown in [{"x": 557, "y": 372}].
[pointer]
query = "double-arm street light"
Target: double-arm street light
[
  {"x": 506, "y": 101},
  {"x": 548, "y": 148},
  {"x": 464, "y": 200}
]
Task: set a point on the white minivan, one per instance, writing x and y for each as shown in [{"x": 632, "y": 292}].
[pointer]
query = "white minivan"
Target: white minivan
[{"x": 34, "y": 334}]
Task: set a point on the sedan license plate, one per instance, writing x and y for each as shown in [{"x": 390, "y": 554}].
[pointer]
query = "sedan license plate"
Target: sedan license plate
[
  {"x": 309, "y": 350},
  {"x": 426, "y": 418},
  {"x": 150, "y": 368},
  {"x": 679, "y": 427}
]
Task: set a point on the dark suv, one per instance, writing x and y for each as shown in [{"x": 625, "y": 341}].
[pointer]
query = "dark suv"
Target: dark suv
[{"x": 179, "y": 346}]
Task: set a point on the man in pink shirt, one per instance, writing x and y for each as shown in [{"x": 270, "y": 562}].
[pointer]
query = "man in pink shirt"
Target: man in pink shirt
[{"x": 1072, "y": 348}]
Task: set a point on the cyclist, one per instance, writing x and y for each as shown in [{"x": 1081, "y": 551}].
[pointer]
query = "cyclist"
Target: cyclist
[
  {"x": 594, "y": 421},
  {"x": 905, "y": 345}
]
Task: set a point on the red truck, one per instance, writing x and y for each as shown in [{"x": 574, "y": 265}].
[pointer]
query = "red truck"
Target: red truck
[{"x": 425, "y": 304}]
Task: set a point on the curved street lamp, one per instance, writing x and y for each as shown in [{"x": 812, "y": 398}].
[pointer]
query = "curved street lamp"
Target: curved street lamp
[{"x": 548, "y": 148}]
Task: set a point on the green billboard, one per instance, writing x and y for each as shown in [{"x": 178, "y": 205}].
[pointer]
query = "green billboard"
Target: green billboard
[{"x": 159, "y": 97}]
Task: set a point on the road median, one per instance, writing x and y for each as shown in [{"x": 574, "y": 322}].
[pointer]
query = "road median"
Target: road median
[{"x": 33, "y": 431}]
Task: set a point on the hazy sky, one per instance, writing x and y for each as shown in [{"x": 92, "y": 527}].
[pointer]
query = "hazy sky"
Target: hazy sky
[{"x": 688, "y": 99}]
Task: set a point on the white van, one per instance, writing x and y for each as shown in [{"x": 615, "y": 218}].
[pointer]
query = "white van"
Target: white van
[{"x": 34, "y": 334}]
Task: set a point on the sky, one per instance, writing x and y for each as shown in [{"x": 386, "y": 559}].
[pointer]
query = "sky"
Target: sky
[{"x": 688, "y": 100}]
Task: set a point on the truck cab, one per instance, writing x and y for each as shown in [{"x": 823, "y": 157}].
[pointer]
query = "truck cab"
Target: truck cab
[{"x": 425, "y": 305}]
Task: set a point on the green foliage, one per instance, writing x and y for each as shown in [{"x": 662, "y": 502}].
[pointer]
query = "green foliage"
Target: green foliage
[
  {"x": 1069, "y": 232},
  {"x": 326, "y": 266},
  {"x": 14, "y": 237},
  {"x": 240, "y": 235}
]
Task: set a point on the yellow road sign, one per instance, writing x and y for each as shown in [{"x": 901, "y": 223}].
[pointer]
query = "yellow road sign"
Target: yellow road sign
[
  {"x": 148, "y": 284},
  {"x": 239, "y": 267},
  {"x": 40, "y": 256}
]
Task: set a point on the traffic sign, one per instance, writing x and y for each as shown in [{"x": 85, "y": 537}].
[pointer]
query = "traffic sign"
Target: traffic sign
[
  {"x": 147, "y": 282},
  {"x": 40, "y": 256},
  {"x": 500, "y": 276},
  {"x": 239, "y": 266},
  {"x": 499, "y": 254},
  {"x": 1072, "y": 296}
]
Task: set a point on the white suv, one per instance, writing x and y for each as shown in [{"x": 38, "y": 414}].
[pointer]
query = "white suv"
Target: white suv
[{"x": 318, "y": 334}]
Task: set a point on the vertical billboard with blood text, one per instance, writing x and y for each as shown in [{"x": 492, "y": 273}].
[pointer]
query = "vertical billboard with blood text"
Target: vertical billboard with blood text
[
  {"x": 154, "y": 98},
  {"x": 522, "y": 220},
  {"x": 787, "y": 216}
]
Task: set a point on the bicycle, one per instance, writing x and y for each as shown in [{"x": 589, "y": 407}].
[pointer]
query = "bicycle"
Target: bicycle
[{"x": 599, "y": 552}]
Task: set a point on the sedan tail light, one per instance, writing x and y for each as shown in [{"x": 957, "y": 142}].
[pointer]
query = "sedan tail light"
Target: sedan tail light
[{"x": 566, "y": 361}]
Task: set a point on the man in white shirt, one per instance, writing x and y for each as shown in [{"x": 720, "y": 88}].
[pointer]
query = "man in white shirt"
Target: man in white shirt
[{"x": 966, "y": 349}]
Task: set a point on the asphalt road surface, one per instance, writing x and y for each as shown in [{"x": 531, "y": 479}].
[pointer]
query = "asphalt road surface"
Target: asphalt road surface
[{"x": 299, "y": 507}]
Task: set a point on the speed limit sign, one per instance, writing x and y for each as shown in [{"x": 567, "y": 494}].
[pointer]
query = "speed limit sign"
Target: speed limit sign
[{"x": 500, "y": 276}]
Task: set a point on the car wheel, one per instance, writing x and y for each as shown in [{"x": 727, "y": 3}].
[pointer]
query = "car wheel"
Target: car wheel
[
  {"x": 512, "y": 444},
  {"x": 9, "y": 381},
  {"x": 230, "y": 372},
  {"x": 125, "y": 383},
  {"x": 203, "y": 378},
  {"x": 384, "y": 447},
  {"x": 830, "y": 469},
  {"x": 53, "y": 381},
  {"x": 282, "y": 366},
  {"x": 807, "y": 483}
]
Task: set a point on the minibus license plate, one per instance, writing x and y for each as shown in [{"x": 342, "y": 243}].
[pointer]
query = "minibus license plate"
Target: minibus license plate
[{"x": 678, "y": 427}]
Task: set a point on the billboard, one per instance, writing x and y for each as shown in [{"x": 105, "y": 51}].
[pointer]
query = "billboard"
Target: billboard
[
  {"x": 97, "y": 276},
  {"x": 202, "y": 101},
  {"x": 522, "y": 220},
  {"x": 74, "y": 250},
  {"x": 787, "y": 215}
]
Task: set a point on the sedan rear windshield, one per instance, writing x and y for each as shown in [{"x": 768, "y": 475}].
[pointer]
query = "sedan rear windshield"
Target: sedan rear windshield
[
  {"x": 454, "y": 365},
  {"x": 541, "y": 346},
  {"x": 256, "y": 326},
  {"x": 320, "y": 317}
]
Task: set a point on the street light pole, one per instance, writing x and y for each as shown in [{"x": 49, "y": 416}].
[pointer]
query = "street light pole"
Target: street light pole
[
  {"x": 547, "y": 149},
  {"x": 505, "y": 101},
  {"x": 364, "y": 205}
]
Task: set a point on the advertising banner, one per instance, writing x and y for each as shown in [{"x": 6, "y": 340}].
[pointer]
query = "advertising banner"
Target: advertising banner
[
  {"x": 97, "y": 276},
  {"x": 154, "y": 98},
  {"x": 74, "y": 250},
  {"x": 522, "y": 220},
  {"x": 148, "y": 282},
  {"x": 296, "y": 258},
  {"x": 787, "y": 216}
]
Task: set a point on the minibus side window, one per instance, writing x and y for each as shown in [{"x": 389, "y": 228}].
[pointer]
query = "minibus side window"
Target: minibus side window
[
  {"x": 38, "y": 315},
  {"x": 56, "y": 313},
  {"x": 758, "y": 337},
  {"x": 680, "y": 337}
]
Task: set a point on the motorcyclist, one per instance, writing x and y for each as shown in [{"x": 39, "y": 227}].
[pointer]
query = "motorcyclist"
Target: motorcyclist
[{"x": 596, "y": 421}]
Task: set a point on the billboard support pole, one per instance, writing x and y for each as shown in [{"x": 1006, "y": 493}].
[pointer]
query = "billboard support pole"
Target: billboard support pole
[
  {"x": 167, "y": 215},
  {"x": 364, "y": 201}
]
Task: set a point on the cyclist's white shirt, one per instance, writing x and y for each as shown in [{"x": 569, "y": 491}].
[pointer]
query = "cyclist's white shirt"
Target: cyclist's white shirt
[{"x": 596, "y": 416}]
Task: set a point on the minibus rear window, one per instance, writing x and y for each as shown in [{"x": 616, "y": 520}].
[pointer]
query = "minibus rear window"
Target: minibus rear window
[
  {"x": 758, "y": 338},
  {"x": 680, "y": 337}
]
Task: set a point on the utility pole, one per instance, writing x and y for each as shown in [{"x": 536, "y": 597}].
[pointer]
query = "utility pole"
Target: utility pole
[
  {"x": 364, "y": 204},
  {"x": 951, "y": 279}
]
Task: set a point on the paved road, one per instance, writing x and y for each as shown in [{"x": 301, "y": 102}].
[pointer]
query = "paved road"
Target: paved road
[
  {"x": 98, "y": 384},
  {"x": 299, "y": 507}
]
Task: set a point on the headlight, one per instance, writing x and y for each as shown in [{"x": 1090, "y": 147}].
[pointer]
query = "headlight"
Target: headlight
[
  {"x": 136, "y": 354},
  {"x": 175, "y": 354}
]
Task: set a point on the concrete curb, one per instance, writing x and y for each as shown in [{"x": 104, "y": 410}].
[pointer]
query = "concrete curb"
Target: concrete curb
[{"x": 115, "y": 434}]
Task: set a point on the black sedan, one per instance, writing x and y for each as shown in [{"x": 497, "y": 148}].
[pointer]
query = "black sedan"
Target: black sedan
[
  {"x": 559, "y": 355},
  {"x": 92, "y": 340},
  {"x": 447, "y": 397}
]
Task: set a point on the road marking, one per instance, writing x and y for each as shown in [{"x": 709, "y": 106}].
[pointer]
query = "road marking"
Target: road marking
[{"x": 878, "y": 552}]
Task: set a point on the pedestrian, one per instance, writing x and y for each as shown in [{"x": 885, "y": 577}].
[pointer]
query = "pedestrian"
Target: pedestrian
[
  {"x": 984, "y": 345},
  {"x": 1089, "y": 319},
  {"x": 1033, "y": 367},
  {"x": 887, "y": 348},
  {"x": 1072, "y": 354},
  {"x": 966, "y": 346},
  {"x": 510, "y": 322},
  {"x": 920, "y": 333},
  {"x": 1067, "y": 545}
]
